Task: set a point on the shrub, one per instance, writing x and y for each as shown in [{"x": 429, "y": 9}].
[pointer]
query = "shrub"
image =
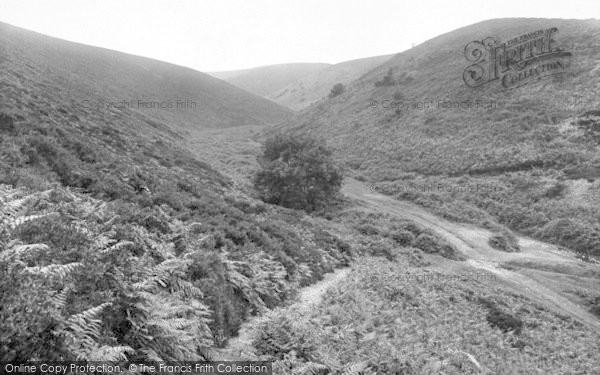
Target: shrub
[
  {"x": 556, "y": 191},
  {"x": 578, "y": 235},
  {"x": 336, "y": 90},
  {"x": 153, "y": 223},
  {"x": 505, "y": 321},
  {"x": 7, "y": 123},
  {"x": 382, "y": 250},
  {"x": 403, "y": 237},
  {"x": 427, "y": 243},
  {"x": 388, "y": 79},
  {"x": 297, "y": 172},
  {"x": 431, "y": 245},
  {"x": 505, "y": 241},
  {"x": 367, "y": 229}
]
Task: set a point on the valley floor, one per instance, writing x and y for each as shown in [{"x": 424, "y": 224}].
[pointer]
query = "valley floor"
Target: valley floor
[
  {"x": 345, "y": 322},
  {"x": 473, "y": 243}
]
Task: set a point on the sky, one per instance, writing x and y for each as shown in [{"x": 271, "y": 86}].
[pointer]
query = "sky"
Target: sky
[{"x": 220, "y": 35}]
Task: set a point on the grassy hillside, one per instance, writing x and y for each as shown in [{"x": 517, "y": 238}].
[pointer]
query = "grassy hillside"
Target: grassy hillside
[
  {"x": 534, "y": 148},
  {"x": 94, "y": 83},
  {"x": 395, "y": 318},
  {"x": 118, "y": 241},
  {"x": 115, "y": 241},
  {"x": 310, "y": 88},
  {"x": 265, "y": 80}
]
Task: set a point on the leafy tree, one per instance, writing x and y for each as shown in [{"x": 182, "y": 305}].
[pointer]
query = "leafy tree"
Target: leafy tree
[
  {"x": 297, "y": 172},
  {"x": 336, "y": 90}
]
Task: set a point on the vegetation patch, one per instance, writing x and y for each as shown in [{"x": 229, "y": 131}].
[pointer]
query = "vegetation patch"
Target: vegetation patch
[
  {"x": 297, "y": 172},
  {"x": 504, "y": 241},
  {"x": 380, "y": 320}
]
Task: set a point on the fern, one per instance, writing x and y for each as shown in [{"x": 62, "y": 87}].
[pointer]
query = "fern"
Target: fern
[
  {"x": 171, "y": 324},
  {"x": 60, "y": 299},
  {"x": 151, "y": 355},
  {"x": 206, "y": 353},
  {"x": 110, "y": 222},
  {"x": 242, "y": 283},
  {"x": 174, "y": 321},
  {"x": 14, "y": 207},
  {"x": 117, "y": 247},
  {"x": 311, "y": 368},
  {"x": 110, "y": 353},
  {"x": 355, "y": 368},
  {"x": 185, "y": 289},
  {"x": 87, "y": 320},
  {"x": 7, "y": 194},
  {"x": 15, "y": 251},
  {"x": 60, "y": 271},
  {"x": 82, "y": 330},
  {"x": 162, "y": 274}
]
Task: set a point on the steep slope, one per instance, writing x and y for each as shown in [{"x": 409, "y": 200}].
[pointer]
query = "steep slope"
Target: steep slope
[
  {"x": 93, "y": 80},
  {"x": 307, "y": 90},
  {"x": 115, "y": 241},
  {"x": 436, "y": 140},
  {"x": 265, "y": 80}
]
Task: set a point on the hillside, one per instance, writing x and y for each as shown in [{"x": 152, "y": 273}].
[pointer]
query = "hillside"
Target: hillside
[
  {"x": 92, "y": 82},
  {"x": 265, "y": 80},
  {"x": 133, "y": 236},
  {"x": 117, "y": 242},
  {"x": 310, "y": 88},
  {"x": 532, "y": 150}
]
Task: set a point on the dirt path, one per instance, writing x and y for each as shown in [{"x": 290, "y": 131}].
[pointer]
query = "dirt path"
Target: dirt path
[
  {"x": 240, "y": 347},
  {"x": 473, "y": 243}
]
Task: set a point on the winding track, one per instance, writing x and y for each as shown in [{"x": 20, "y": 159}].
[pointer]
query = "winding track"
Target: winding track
[
  {"x": 473, "y": 243},
  {"x": 240, "y": 347},
  {"x": 469, "y": 239}
]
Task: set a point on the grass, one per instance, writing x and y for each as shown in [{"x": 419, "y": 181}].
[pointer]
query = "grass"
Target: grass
[
  {"x": 394, "y": 324},
  {"x": 537, "y": 144},
  {"x": 118, "y": 242},
  {"x": 539, "y": 206}
]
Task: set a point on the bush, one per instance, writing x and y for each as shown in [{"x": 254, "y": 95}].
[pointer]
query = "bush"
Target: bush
[
  {"x": 297, "y": 172},
  {"x": 574, "y": 234},
  {"x": 336, "y": 90},
  {"x": 388, "y": 79},
  {"x": 367, "y": 229},
  {"x": 506, "y": 322},
  {"x": 431, "y": 245},
  {"x": 7, "y": 123},
  {"x": 505, "y": 241},
  {"x": 497, "y": 318},
  {"x": 428, "y": 244},
  {"x": 382, "y": 250},
  {"x": 403, "y": 237}
]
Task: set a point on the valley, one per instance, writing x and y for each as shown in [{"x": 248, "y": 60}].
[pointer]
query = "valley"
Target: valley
[{"x": 137, "y": 232}]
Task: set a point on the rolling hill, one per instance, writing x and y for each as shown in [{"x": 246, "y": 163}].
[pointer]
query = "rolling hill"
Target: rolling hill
[
  {"x": 116, "y": 240},
  {"x": 119, "y": 242},
  {"x": 265, "y": 80},
  {"x": 416, "y": 128},
  {"x": 310, "y": 88},
  {"x": 297, "y": 86},
  {"x": 93, "y": 82}
]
